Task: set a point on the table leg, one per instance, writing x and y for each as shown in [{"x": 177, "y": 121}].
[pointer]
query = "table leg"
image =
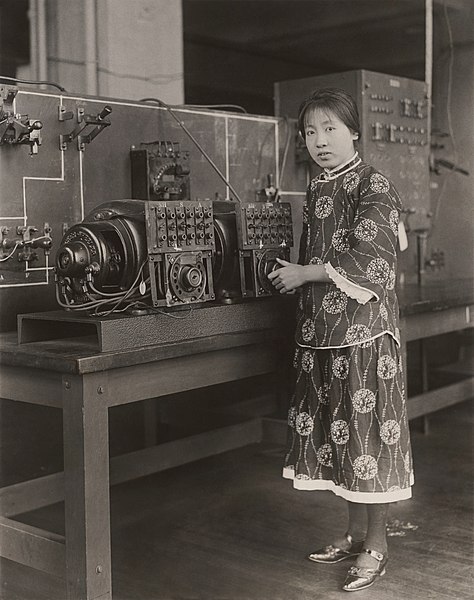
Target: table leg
[
  {"x": 424, "y": 381},
  {"x": 150, "y": 414},
  {"x": 86, "y": 482}
]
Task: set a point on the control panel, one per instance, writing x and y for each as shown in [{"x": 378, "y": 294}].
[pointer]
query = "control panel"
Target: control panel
[
  {"x": 405, "y": 123},
  {"x": 265, "y": 224},
  {"x": 180, "y": 240},
  {"x": 394, "y": 120},
  {"x": 180, "y": 225},
  {"x": 160, "y": 171},
  {"x": 264, "y": 233}
]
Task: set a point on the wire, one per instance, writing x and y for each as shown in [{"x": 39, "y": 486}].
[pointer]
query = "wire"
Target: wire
[
  {"x": 195, "y": 142},
  {"x": 171, "y": 315},
  {"x": 157, "y": 78},
  {"x": 285, "y": 151},
  {"x": 115, "y": 310},
  {"x": 32, "y": 82},
  {"x": 450, "y": 82},
  {"x": 133, "y": 289},
  {"x": 41, "y": 237},
  {"x": 222, "y": 106},
  {"x": 11, "y": 253},
  {"x": 94, "y": 304},
  {"x": 104, "y": 294},
  {"x": 449, "y": 119},
  {"x": 79, "y": 307}
]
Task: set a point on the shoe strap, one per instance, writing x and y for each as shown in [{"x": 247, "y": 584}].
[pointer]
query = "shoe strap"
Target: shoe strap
[
  {"x": 374, "y": 554},
  {"x": 348, "y": 537}
]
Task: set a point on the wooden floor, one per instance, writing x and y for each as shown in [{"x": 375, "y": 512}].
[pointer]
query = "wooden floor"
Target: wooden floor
[{"x": 229, "y": 528}]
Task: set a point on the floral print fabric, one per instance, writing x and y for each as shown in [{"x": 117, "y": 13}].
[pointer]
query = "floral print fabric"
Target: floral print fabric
[
  {"x": 350, "y": 224},
  {"x": 348, "y": 428}
]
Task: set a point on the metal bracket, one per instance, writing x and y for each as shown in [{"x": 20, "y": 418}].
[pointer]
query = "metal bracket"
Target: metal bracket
[
  {"x": 14, "y": 127},
  {"x": 97, "y": 122},
  {"x": 7, "y": 96},
  {"x": 25, "y": 242}
]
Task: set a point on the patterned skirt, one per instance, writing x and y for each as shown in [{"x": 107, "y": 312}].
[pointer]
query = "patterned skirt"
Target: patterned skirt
[{"x": 348, "y": 428}]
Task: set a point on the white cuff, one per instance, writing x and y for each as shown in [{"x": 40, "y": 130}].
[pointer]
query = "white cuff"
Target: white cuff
[
  {"x": 357, "y": 292},
  {"x": 402, "y": 237}
]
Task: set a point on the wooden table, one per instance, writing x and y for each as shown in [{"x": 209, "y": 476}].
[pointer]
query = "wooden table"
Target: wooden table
[
  {"x": 84, "y": 383},
  {"x": 429, "y": 310}
]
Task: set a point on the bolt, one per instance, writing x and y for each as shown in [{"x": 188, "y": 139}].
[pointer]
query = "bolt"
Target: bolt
[
  {"x": 67, "y": 385},
  {"x": 99, "y": 569},
  {"x": 100, "y": 390}
]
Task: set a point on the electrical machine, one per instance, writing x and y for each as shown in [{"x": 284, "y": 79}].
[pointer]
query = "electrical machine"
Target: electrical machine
[
  {"x": 394, "y": 117},
  {"x": 162, "y": 249}
]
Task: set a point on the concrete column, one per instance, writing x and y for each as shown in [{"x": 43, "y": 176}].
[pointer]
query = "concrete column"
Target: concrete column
[
  {"x": 117, "y": 48},
  {"x": 141, "y": 49}
]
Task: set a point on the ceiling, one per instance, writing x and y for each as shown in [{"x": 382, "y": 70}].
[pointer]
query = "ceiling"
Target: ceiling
[{"x": 234, "y": 50}]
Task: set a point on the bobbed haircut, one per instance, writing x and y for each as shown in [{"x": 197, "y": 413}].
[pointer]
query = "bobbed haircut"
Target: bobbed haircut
[{"x": 334, "y": 100}]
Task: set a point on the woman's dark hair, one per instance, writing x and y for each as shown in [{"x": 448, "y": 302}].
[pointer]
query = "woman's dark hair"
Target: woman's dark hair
[{"x": 335, "y": 100}]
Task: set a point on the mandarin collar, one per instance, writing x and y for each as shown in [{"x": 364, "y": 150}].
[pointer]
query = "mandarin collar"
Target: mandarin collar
[{"x": 350, "y": 164}]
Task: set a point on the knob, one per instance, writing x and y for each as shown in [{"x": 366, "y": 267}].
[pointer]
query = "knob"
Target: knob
[{"x": 190, "y": 278}]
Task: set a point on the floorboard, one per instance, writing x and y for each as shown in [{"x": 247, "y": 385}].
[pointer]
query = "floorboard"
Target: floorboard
[{"x": 229, "y": 528}]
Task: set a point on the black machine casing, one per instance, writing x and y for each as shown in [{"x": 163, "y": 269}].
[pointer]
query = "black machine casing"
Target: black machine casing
[
  {"x": 180, "y": 246},
  {"x": 160, "y": 171},
  {"x": 165, "y": 246},
  {"x": 171, "y": 253},
  {"x": 260, "y": 232}
]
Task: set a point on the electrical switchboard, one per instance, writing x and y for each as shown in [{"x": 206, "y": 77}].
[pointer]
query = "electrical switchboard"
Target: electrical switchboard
[{"x": 395, "y": 128}]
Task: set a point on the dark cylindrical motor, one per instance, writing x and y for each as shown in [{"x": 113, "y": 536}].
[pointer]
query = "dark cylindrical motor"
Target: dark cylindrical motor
[
  {"x": 225, "y": 263},
  {"x": 105, "y": 258},
  {"x": 121, "y": 256},
  {"x": 104, "y": 254}
]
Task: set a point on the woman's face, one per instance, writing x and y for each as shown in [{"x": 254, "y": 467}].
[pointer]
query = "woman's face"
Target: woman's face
[{"x": 329, "y": 141}]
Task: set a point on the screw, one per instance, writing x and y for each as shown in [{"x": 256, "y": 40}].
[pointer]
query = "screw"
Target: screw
[
  {"x": 67, "y": 385},
  {"x": 100, "y": 390},
  {"x": 98, "y": 569}
]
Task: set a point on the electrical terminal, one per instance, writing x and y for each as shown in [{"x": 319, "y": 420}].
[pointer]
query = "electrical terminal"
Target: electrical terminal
[{"x": 25, "y": 243}]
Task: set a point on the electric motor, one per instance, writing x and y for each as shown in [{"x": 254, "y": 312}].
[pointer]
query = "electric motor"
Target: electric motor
[
  {"x": 148, "y": 254},
  {"x": 135, "y": 253}
]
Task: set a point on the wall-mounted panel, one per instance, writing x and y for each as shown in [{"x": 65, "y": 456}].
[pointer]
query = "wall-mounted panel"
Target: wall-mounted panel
[{"x": 61, "y": 183}]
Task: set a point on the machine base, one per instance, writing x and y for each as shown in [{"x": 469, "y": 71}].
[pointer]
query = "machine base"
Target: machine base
[{"x": 124, "y": 332}]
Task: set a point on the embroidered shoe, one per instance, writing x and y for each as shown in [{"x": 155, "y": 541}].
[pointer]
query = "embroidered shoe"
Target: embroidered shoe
[
  {"x": 360, "y": 578},
  {"x": 331, "y": 554}
]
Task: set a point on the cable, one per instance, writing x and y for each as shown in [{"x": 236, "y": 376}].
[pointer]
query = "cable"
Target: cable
[
  {"x": 450, "y": 83},
  {"x": 41, "y": 237},
  {"x": 30, "y": 82},
  {"x": 115, "y": 310},
  {"x": 104, "y": 294},
  {"x": 285, "y": 151},
  {"x": 449, "y": 119},
  {"x": 171, "y": 315},
  {"x": 195, "y": 142},
  {"x": 11, "y": 253},
  {"x": 222, "y": 106},
  {"x": 158, "y": 78},
  {"x": 133, "y": 289}
]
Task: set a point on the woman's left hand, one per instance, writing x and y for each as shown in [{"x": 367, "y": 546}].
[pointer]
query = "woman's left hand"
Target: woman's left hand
[{"x": 288, "y": 277}]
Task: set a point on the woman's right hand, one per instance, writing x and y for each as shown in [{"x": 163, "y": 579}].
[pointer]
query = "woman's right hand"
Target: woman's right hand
[{"x": 288, "y": 277}]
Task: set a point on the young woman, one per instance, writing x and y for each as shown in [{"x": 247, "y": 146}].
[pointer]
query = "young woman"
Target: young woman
[{"x": 348, "y": 427}]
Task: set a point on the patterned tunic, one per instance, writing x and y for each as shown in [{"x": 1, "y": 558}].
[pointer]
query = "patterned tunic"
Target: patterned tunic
[
  {"x": 352, "y": 224},
  {"x": 348, "y": 428}
]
